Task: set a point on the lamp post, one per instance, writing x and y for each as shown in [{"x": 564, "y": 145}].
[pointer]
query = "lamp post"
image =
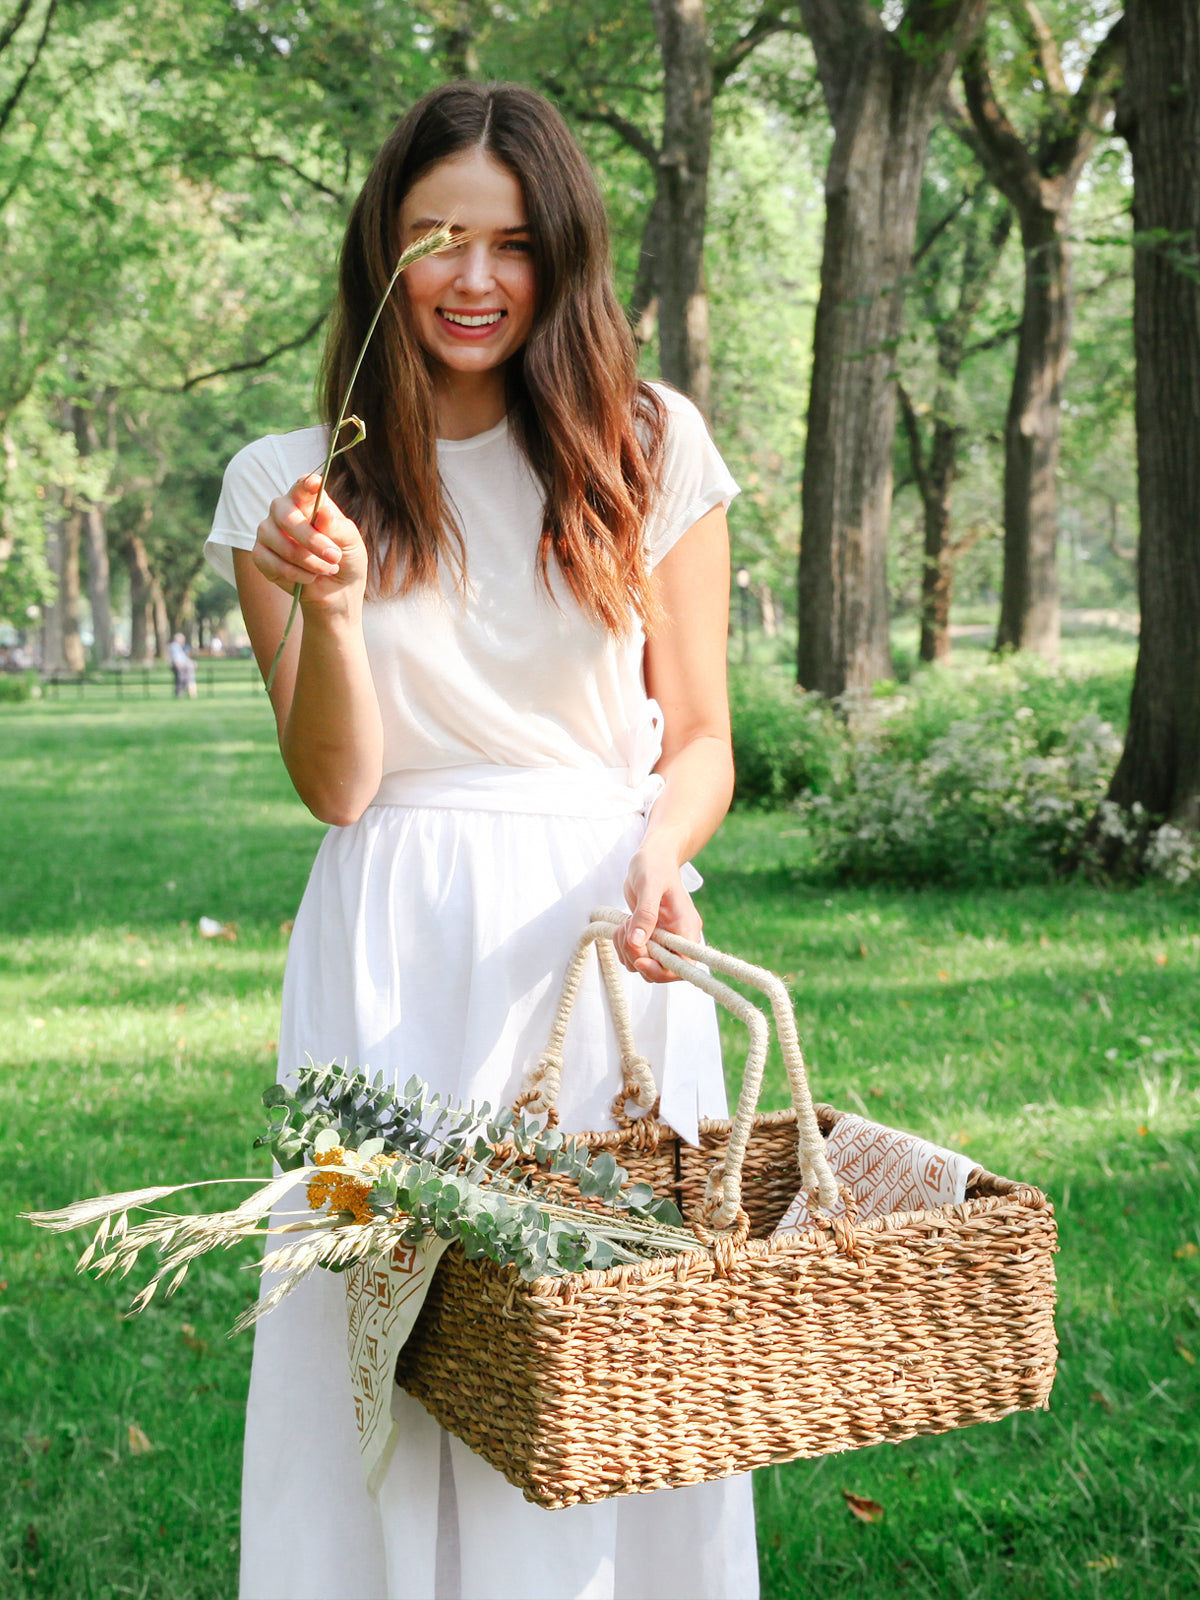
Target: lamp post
[{"x": 743, "y": 583}]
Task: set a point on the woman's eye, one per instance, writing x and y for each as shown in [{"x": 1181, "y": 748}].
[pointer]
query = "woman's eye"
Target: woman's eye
[{"x": 520, "y": 246}]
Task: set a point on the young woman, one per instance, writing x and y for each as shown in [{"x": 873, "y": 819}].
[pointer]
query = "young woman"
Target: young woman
[{"x": 507, "y": 696}]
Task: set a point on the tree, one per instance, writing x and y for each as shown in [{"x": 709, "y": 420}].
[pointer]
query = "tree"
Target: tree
[
  {"x": 960, "y": 252},
  {"x": 883, "y": 87},
  {"x": 1158, "y": 113},
  {"x": 695, "y": 66},
  {"x": 682, "y": 196},
  {"x": 1038, "y": 175}
]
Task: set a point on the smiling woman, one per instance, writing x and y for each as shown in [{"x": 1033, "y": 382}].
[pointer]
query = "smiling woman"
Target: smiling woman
[
  {"x": 507, "y": 694},
  {"x": 472, "y": 305}
]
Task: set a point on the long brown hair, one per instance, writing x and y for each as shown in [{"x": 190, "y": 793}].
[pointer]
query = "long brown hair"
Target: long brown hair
[{"x": 591, "y": 431}]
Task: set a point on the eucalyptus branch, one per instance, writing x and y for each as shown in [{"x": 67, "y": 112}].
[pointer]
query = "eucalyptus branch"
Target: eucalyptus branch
[{"x": 390, "y": 1169}]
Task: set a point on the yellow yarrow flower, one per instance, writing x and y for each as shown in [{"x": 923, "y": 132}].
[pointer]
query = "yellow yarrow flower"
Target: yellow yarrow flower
[{"x": 341, "y": 1192}]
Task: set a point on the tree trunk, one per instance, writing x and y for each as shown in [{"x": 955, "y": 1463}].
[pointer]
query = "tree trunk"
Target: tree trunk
[
  {"x": 98, "y": 581},
  {"x": 62, "y": 645},
  {"x": 643, "y": 302},
  {"x": 937, "y": 569},
  {"x": 457, "y": 40},
  {"x": 1159, "y": 114},
  {"x": 683, "y": 189},
  {"x": 883, "y": 90},
  {"x": 936, "y": 469},
  {"x": 1029, "y": 610},
  {"x": 1039, "y": 177},
  {"x": 770, "y": 610},
  {"x": 87, "y": 442},
  {"x": 871, "y": 199},
  {"x": 141, "y": 606},
  {"x": 162, "y": 626}
]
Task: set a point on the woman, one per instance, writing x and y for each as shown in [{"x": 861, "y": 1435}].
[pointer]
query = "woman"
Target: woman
[{"x": 472, "y": 701}]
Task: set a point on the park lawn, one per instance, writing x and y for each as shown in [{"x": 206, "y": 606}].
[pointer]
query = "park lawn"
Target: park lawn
[{"x": 1052, "y": 1032}]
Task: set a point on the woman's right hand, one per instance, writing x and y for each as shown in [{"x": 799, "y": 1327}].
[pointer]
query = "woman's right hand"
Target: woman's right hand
[{"x": 325, "y": 555}]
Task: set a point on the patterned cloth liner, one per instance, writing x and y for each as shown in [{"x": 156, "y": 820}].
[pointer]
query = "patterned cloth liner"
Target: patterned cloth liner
[
  {"x": 383, "y": 1298},
  {"x": 886, "y": 1171}
]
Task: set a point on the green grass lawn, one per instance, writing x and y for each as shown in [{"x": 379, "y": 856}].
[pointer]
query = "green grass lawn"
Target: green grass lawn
[{"x": 1052, "y": 1033}]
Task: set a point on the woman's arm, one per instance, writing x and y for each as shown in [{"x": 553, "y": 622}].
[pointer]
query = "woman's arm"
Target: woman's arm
[
  {"x": 685, "y": 673},
  {"x": 326, "y": 710}
]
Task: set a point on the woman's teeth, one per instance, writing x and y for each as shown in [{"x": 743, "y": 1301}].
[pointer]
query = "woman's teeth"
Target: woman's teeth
[{"x": 464, "y": 319}]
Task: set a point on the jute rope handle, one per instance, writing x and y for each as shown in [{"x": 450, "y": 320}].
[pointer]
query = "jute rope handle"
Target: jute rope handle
[
  {"x": 814, "y": 1166},
  {"x": 723, "y": 1198},
  {"x": 539, "y": 1092}
]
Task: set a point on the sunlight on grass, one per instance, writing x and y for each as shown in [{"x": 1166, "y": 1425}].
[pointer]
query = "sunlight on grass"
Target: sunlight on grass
[{"x": 1052, "y": 1033}]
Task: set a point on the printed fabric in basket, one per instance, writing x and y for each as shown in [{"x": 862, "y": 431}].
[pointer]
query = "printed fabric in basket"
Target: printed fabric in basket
[{"x": 885, "y": 1170}]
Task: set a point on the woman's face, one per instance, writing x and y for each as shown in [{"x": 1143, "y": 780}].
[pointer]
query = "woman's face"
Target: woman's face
[{"x": 473, "y": 304}]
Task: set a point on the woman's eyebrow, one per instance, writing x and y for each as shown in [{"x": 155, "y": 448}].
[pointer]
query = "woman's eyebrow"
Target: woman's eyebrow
[{"x": 428, "y": 224}]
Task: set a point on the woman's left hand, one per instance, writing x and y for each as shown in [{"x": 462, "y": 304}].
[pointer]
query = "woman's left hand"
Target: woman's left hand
[{"x": 656, "y": 898}]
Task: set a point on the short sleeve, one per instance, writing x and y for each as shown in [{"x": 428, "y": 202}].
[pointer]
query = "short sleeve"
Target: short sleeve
[
  {"x": 255, "y": 476},
  {"x": 694, "y": 478}
]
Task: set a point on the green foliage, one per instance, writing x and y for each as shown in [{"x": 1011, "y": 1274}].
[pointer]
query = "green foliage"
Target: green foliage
[
  {"x": 985, "y": 777},
  {"x": 17, "y": 686},
  {"x": 784, "y": 741},
  {"x": 464, "y": 1174},
  {"x": 991, "y": 774}
]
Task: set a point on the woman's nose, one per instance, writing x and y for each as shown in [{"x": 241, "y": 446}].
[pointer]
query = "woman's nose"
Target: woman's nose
[{"x": 475, "y": 270}]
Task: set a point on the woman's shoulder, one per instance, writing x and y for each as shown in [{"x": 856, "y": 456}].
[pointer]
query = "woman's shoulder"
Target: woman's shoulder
[
  {"x": 281, "y": 456},
  {"x": 686, "y": 439},
  {"x": 683, "y": 415}
]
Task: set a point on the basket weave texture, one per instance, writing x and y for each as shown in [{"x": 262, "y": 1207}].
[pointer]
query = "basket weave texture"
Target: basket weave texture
[{"x": 757, "y": 1350}]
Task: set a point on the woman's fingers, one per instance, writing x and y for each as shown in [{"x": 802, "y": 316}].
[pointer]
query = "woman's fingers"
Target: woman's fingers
[
  {"x": 300, "y": 541},
  {"x": 654, "y": 905}
]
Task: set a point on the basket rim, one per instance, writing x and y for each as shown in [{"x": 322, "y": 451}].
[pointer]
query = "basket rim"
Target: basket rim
[{"x": 818, "y": 1241}]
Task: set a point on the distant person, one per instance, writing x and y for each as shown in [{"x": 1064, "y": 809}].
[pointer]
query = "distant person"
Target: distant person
[{"x": 183, "y": 667}]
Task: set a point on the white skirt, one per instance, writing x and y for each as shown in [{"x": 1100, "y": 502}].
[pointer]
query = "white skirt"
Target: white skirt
[{"x": 431, "y": 941}]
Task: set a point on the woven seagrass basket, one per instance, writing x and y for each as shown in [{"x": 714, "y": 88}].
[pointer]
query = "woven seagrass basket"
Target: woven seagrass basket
[{"x": 755, "y": 1349}]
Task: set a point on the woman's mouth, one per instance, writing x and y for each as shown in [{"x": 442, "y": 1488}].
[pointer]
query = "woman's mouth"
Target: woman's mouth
[{"x": 470, "y": 324}]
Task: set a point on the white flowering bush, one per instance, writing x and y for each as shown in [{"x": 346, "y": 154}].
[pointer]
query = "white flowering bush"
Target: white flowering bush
[
  {"x": 991, "y": 799},
  {"x": 992, "y": 776}
]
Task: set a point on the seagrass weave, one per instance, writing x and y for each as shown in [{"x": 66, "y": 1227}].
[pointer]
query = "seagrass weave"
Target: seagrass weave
[{"x": 755, "y": 1350}]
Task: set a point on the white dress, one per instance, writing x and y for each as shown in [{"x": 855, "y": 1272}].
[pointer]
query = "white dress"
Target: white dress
[{"x": 432, "y": 937}]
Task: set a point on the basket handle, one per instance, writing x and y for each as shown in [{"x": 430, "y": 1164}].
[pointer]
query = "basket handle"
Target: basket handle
[{"x": 688, "y": 960}]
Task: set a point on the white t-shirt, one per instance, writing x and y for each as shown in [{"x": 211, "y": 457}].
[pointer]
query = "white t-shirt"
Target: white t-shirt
[{"x": 505, "y": 672}]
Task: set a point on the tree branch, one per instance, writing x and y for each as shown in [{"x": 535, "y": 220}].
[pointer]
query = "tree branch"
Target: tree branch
[
  {"x": 912, "y": 431},
  {"x": 941, "y": 225},
  {"x": 10, "y": 28},
  {"x": 1101, "y": 79},
  {"x": 958, "y": 120},
  {"x": 993, "y": 341},
  {"x": 10, "y": 105},
  {"x": 270, "y": 159},
  {"x": 309, "y": 334},
  {"x": 1041, "y": 41},
  {"x": 625, "y": 129},
  {"x": 1006, "y": 157},
  {"x": 763, "y": 26}
]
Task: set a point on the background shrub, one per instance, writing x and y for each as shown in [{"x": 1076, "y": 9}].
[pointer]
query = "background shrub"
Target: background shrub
[
  {"x": 17, "y": 685},
  {"x": 983, "y": 775},
  {"x": 785, "y": 742}
]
